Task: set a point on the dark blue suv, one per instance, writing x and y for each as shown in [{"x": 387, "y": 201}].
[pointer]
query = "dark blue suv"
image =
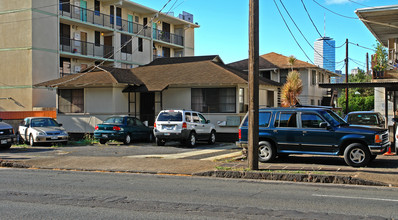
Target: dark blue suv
[{"x": 302, "y": 130}]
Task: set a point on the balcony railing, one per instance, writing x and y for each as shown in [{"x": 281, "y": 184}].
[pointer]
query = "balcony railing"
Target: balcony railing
[
  {"x": 85, "y": 48},
  {"x": 168, "y": 37},
  {"x": 85, "y": 15},
  {"x": 132, "y": 27}
]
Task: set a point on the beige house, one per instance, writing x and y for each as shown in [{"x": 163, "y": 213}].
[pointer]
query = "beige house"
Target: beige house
[
  {"x": 201, "y": 83},
  {"x": 46, "y": 39},
  {"x": 275, "y": 67}
]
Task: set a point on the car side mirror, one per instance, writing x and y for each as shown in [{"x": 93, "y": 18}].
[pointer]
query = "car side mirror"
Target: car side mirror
[
  {"x": 60, "y": 124},
  {"x": 208, "y": 121},
  {"x": 323, "y": 125}
]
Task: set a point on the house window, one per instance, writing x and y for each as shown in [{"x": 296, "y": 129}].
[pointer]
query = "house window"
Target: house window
[
  {"x": 214, "y": 100},
  {"x": 97, "y": 7},
  {"x": 242, "y": 100},
  {"x": 71, "y": 101},
  {"x": 140, "y": 46},
  {"x": 313, "y": 77},
  {"x": 312, "y": 102},
  {"x": 126, "y": 44},
  {"x": 97, "y": 39}
]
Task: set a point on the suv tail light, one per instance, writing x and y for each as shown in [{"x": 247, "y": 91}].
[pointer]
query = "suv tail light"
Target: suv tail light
[
  {"x": 184, "y": 125},
  {"x": 96, "y": 127},
  {"x": 116, "y": 128},
  {"x": 154, "y": 125},
  {"x": 240, "y": 134}
]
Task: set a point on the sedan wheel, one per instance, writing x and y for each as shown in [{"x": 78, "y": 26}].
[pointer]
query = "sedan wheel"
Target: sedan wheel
[
  {"x": 31, "y": 140},
  {"x": 102, "y": 141},
  {"x": 127, "y": 140}
]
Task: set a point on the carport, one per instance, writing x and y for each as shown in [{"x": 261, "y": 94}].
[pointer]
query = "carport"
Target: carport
[{"x": 390, "y": 94}]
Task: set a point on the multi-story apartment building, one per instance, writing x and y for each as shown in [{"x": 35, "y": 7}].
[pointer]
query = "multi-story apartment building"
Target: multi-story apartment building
[
  {"x": 46, "y": 39},
  {"x": 324, "y": 54}
]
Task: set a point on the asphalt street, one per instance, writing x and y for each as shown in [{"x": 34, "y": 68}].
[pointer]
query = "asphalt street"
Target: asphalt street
[{"x": 44, "y": 194}]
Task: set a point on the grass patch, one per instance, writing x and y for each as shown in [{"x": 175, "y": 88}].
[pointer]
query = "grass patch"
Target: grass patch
[{"x": 87, "y": 140}]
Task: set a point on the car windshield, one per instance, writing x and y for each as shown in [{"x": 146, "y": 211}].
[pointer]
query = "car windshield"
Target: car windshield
[
  {"x": 333, "y": 118},
  {"x": 114, "y": 120},
  {"x": 170, "y": 116},
  {"x": 362, "y": 119},
  {"x": 44, "y": 122}
]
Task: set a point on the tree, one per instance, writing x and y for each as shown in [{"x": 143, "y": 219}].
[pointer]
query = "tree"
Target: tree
[
  {"x": 380, "y": 58},
  {"x": 291, "y": 89},
  {"x": 360, "y": 99}
]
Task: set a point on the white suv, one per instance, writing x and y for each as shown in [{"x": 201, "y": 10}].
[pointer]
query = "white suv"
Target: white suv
[{"x": 182, "y": 125}]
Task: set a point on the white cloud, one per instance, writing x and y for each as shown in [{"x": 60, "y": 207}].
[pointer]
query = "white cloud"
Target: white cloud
[{"x": 330, "y": 2}]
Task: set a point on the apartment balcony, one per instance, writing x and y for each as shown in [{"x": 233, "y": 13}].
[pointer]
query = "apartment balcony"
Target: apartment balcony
[
  {"x": 85, "y": 15},
  {"x": 83, "y": 48},
  {"x": 132, "y": 27},
  {"x": 168, "y": 37}
]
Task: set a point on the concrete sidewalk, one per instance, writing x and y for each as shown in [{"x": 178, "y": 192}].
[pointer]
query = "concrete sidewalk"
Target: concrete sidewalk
[{"x": 381, "y": 172}]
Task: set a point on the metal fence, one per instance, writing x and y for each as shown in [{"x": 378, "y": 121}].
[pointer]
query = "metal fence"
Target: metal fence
[{"x": 85, "y": 48}]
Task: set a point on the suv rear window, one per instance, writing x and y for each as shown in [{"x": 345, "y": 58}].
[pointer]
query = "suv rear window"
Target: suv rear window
[
  {"x": 263, "y": 119},
  {"x": 170, "y": 116}
]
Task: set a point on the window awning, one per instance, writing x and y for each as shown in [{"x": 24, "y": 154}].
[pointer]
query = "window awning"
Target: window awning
[{"x": 391, "y": 86}]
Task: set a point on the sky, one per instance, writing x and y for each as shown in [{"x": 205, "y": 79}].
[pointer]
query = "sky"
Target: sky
[{"x": 224, "y": 27}]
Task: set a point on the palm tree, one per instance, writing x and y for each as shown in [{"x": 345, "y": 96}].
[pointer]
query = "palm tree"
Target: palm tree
[
  {"x": 291, "y": 61},
  {"x": 291, "y": 89}
]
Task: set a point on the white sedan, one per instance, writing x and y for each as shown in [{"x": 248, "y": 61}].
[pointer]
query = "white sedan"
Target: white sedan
[{"x": 42, "y": 130}]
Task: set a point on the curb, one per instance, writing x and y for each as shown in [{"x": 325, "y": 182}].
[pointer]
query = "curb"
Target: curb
[{"x": 308, "y": 178}]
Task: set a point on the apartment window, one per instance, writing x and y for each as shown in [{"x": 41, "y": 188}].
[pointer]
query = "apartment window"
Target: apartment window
[
  {"x": 97, "y": 7},
  {"x": 319, "y": 102},
  {"x": 97, "y": 40},
  {"x": 64, "y": 30},
  {"x": 126, "y": 43},
  {"x": 145, "y": 22},
  {"x": 313, "y": 77},
  {"x": 213, "y": 100},
  {"x": 140, "y": 46},
  {"x": 71, "y": 101},
  {"x": 64, "y": 5},
  {"x": 137, "y": 19},
  {"x": 312, "y": 102}
]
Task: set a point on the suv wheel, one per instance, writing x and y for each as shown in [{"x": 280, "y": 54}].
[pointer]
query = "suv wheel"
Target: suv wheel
[
  {"x": 191, "y": 141},
  {"x": 127, "y": 139},
  {"x": 212, "y": 138},
  {"x": 5, "y": 147},
  {"x": 357, "y": 155},
  {"x": 266, "y": 152},
  {"x": 102, "y": 141},
  {"x": 160, "y": 142}
]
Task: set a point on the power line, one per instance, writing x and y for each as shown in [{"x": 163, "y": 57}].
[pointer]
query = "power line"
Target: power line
[
  {"x": 292, "y": 33},
  {"x": 305, "y": 8},
  {"x": 362, "y": 46},
  {"x": 303, "y": 34},
  {"x": 358, "y": 3},
  {"x": 335, "y": 12}
]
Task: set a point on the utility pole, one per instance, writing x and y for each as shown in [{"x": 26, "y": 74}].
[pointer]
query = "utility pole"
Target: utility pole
[
  {"x": 367, "y": 63},
  {"x": 346, "y": 76},
  {"x": 252, "y": 155}
]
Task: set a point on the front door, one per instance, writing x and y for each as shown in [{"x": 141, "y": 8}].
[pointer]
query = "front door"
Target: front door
[
  {"x": 83, "y": 10},
  {"x": 147, "y": 107},
  {"x": 83, "y": 37},
  {"x": 108, "y": 52}
]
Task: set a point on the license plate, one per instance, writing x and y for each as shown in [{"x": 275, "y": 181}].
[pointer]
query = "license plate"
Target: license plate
[
  {"x": 54, "y": 138},
  {"x": 3, "y": 141},
  {"x": 166, "y": 134},
  {"x": 168, "y": 127},
  {"x": 105, "y": 136}
]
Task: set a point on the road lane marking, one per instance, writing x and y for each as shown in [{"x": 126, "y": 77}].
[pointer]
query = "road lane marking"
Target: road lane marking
[{"x": 353, "y": 197}]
